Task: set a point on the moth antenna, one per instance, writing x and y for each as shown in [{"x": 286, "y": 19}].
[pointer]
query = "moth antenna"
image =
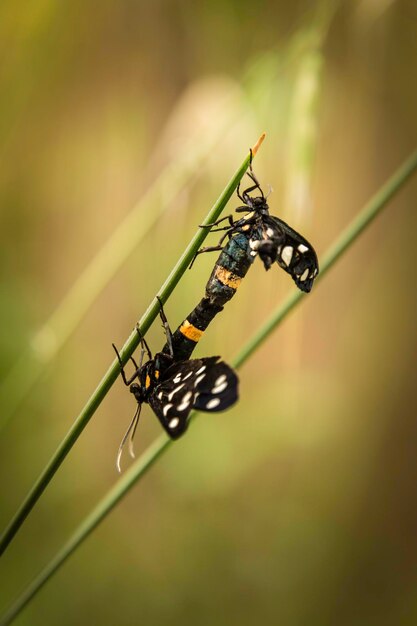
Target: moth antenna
[
  {"x": 132, "y": 425},
  {"x": 133, "y": 431}
]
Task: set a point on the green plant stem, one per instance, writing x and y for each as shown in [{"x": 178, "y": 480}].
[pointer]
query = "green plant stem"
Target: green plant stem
[
  {"x": 53, "y": 334},
  {"x": 114, "y": 370},
  {"x": 150, "y": 456},
  {"x": 348, "y": 236}
]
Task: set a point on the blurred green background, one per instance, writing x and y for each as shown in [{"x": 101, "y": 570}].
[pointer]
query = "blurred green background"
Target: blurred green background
[{"x": 299, "y": 505}]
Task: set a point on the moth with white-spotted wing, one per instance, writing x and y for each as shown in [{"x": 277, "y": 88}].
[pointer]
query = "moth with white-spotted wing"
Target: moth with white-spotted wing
[
  {"x": 256, "y": 234},
  {"x": 293, "y": 253},
  {"x": 205, "y": 384},
  {"x": 173, "y": 388}
]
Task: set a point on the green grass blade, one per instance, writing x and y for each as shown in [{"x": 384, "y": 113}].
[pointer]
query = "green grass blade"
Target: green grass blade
[
  {"x": 115, "y": 494},
  {"x": 152, "y": 454},
  {"x": 342, "y": 243},
  {"x": 53, "y": 334},
  {"x": 114, "y": 370}
]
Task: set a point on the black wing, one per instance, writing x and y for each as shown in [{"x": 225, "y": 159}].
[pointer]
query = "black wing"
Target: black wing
[
  {"x": 197, "y": 383},
  {"x": 218, "y": 389},
  {"x": 293, "y": 253}
]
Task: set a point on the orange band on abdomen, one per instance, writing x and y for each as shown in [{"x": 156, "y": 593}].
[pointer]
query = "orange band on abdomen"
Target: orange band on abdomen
[
  {"x": 191, "y": 332},
  {"x": 227, "y": 278}
]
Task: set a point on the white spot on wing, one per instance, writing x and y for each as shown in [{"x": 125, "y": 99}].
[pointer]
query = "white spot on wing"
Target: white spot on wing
[
  {"x": 269, "y": 232},
  {"x": 211, "y": 404},
  {"x": 185, "y": 401},
  {"x": 220, "y": 384},
  {"x": 199, "y": 379},
  {"x": 171, "y": 395},
  {"x": 304, "y": 275},
  {"x": 254, "y": 244},
  {"x": 302, "y": 248},
  {"x": 287, "y": 254},
  {"x": 174, "y": 422},
  {"x": 166, "y": 409},
  {"x": 202, "y": 368},
  {"x": 160, "y": 394},
  {"x": 219, "y": 388},
  {"x": 177, "y": 378}
]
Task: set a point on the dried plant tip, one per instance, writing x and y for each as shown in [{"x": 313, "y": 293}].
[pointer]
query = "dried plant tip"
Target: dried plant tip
[{"x": 258, "y": 144}]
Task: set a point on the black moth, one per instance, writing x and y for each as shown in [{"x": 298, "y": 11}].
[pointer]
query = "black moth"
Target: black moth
[
  {"x": 173, "y": 388},
  {"x": 270, "y": 238},
  {"x": 273, "y": 240},
  {"x": 276, "y": 241}
]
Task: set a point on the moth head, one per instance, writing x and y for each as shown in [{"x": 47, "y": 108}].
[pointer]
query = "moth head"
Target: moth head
[
  {"x": 268, "y": 253},
  {"x": 257, "y": 204},
  {"x": 137, "y": 391}
]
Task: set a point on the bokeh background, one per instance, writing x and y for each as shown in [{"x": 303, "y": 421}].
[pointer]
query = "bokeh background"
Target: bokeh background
[{"x": 299, "y": 505}]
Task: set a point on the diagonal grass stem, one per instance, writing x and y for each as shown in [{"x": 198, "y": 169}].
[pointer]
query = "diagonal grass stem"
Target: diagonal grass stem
[
  {"x": 130, "y": 345},
  {"x": 153, "y": 453}
]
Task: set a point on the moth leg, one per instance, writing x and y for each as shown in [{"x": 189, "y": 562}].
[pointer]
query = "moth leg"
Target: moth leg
[
  {"x": 223, "y": 228},
  {"x": 255, "y": 186},
  {"x": 239, "y": 195},
  {"x": 253, "y": 177},
  {"x": 223, "y": 219},
  {"x": 127, "y": 381},
  {"x": 165, "y": 324},
  {"x": 219, "y": 246},
  {"x": 143, "y": 343}
]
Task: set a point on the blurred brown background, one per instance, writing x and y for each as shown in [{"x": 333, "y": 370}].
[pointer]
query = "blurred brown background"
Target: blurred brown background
[{"x": 298, "y": 506}]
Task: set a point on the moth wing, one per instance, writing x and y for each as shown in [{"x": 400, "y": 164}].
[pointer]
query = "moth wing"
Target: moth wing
[
  {"x": 295, "y": 255},
  {"x": 173, "y": 398},
  {"x": 217, "y": 387}
]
